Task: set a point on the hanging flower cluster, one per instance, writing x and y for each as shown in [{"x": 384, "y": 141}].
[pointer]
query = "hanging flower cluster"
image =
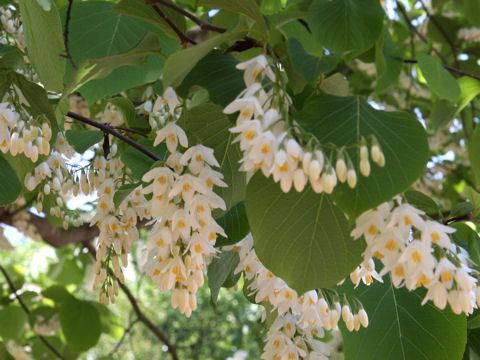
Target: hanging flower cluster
[
  {"x": 17, "y": 136},
  {"x": 272, "y": 142},
  {"x": 469, "y": 34},
  {"x": 416, "y": 252},
  {"x": 11, "y": 25},
  {"x": 183, "y": 236},
  {"x": 301, "y": 320}
]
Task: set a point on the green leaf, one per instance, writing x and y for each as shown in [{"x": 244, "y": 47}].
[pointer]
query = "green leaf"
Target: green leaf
[
  {"x": 4, "y": 354},
  {"x": 442, "y": 113},
  {"x": 346, "y": 25},
  {"x": 246, "y": 7},
  {"x": 470, "y": 89},
  {"x": 467, "y": 238},
  {"x": 41, "y": 351},
  {"x": 143, "y": 11},
  {"x": 81, "y": 140},
  {"x": 401, "y": 328},
  {"x": 461, "y": 209},
  {"x": 126, "y": 107},
  {"x": 391, "y": 57},
  {"x": 335, "y": 85},
  {"x": 10, "y": 186},
  {"x": 80, "y": 324},
  {"x": 139, "y": 162},
  {"x": 57, "y": 293},
  {"x": 296, "y": 30},
  {"x": 44, "y": 38},
  {"x": 343, "y": 121},
  {"x": 439, "y": 80},
  {"x": 474, "y": 154},
  {"x": 219, "y": 271},
  {"x": 471, "y": 9},
  {"x": 13, "y": 320},
  {"x": 113, "y": 34},
  {"x": 215, "y": 72},
  {"x": 91, "y": 69},
  {"x": 123, "y": 192},
  {"x": 474, "y": 197},
  {"x": 309, "y": 66},
  {"x": 235, "y": 225},
  {"x": 208, "y": 125},
  {"x": 301, "y": 237},
  {"x": 422, "y": 202},
  {"x": 182, "y": 62}
]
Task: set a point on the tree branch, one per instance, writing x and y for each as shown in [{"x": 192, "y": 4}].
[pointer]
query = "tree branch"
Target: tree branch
[
  {"x": 65, "y": 34},
  {"x": 184, "y": 38},
  {"x": 110, "y": 130},
  {"x": 27, "y": 311},
  {"x": 449, "y": 68}
]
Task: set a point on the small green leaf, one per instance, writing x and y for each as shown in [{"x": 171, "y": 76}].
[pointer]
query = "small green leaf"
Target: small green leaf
[
  {"x": 301, "y": 237},
  {"x": 442, "y": 113},
  {"x": 346, "y": 25},
  {"x": 467, "y": 238},
  {"x": 57, "y": 293},
  {"x": 123, "y": 192},
  {"x": 182, "y": 62},
  {"x": 470, "y": 89},
  {"x": 235, "y": 225},
  {"x": 401, "y": 328},
  {"x": 13, "y": 320},
  {"x": 10, "y": 186},
  {"x": 246, "y": 7},
  {"x": 461, "y": 209},
  {"x": 80, "y": 324},
  {"x": 391, "y": 58},
  {"x": 474, "y": 154},
  {"x": 220, "y": 270},
  {"x": 309, "y": 66},
  {"x": 474, "y": 197},
  {"x": 44, "y": 38},
  {"x": 439, "y": 80},
  {"x": 139, "y": 162},
  {"x": 82, "y": 140},
  {"x": 422, "y": 202},
  {"x": 335, "y": 85}
]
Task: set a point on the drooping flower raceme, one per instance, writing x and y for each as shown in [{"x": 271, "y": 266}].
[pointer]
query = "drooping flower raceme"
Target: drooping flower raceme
[
  {"x": 276, "y": 145},
  {"x": 301, "y": 320},
  {"x": 416, "y": 252}
]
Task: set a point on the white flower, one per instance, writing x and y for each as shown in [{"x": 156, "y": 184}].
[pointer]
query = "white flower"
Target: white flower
[
  {"x": 254, "y": 69},
  {"x": 173, "y": 134}
]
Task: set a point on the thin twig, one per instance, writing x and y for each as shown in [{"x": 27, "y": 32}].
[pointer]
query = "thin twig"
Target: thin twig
[
  {"x": 133, "y": 131},
  {"x": 110, "y": 130},
  {"x": 203, "y": 25},
  {"x": 448, "y": 67},
  {"x": 124, "y": 335},
  {"x": 184, "y": 38},
  {"x": 65, "y": 34},
  {"x": 423, "y": 38},
  {"x": 27, "y": 311},
  {"x": 140, "y": 315}
]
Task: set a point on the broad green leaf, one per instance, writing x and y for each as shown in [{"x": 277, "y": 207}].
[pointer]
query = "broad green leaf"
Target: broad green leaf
[
  {"x": 474, "y": 154},
  {"x": 81, "y": 140},
  {"x": 219, "y": 271},
  {"x": 10, "y": 186},
  {"x": 235, "y": 225},
  {"x": 13, "y": 319},
  {"x": 123, "y": 192},
  {"x": 422, "y": 202},
  {"x": 346, "y": 25},
  {"x": 442, "y": 113},
  {"x": 57, "y": 293},
  {"x": 44, "y": 39},
  {"x": 401, "y": 328},
  {"x": 80, "y": 324},
  {"x": 296, "y": 30},
  {"x": 208, "y": 125},
  {"x": 67, "y": 271},
  {"x": 182, "y": 62},
  {"x": 91, "y": 69},
  {"x": 13, "y": 59},
  {"x": 309, "y": 66},
  {"x": 113, "y": 34},
  {"x": 215, "y": 72},
  {"x": 439, "y": 80},
  {"x": 139, "y": 162},
  {"x": 141, "y": 10},
  {"x": 126, "y": 107},
  {"x": 391, "y": 57},
  {"x": 246, "y": 7},
  {"x": 301, "y": 237},
  {"x": 470, "y": 89},
  {"x": 343, "y": 121}
]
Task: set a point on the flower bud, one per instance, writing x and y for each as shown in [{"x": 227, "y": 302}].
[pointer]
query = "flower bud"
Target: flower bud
[{"x": 365, "y": 167}]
